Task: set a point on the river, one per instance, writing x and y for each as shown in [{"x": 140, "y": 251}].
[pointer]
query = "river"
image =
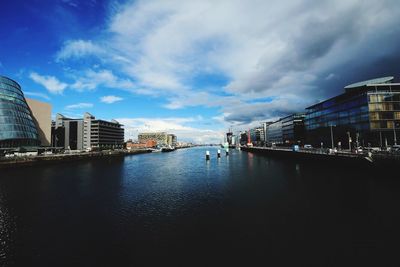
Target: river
[{"x": 178, "y": 208}]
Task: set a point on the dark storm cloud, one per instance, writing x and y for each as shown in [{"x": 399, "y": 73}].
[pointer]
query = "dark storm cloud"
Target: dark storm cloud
[{"x": 332, "y": 49}]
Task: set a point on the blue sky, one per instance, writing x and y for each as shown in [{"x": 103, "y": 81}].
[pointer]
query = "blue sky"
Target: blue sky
[{"x": 194, "y": 68}]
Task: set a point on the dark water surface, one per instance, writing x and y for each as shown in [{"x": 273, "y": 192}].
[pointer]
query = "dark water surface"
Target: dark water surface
[{"x": 177, "y": 208}]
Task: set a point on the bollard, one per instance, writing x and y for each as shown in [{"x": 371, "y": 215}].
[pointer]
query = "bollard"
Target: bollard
[
  {"x": 227, "y": 151},
  {"x": 219, "y": 153},
  {"x": 207, "y": 155}
]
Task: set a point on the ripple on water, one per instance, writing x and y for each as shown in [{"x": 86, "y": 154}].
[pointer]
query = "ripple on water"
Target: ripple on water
[{"x": 176, "y": 201}]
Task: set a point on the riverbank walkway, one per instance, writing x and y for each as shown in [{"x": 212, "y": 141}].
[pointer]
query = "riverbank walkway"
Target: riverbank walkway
[
  {"x": 374, "y": 157},
  {"x": 17, "y": 161}
]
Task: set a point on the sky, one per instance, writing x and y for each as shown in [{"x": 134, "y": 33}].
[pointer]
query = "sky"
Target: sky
[{"x": 194, "y": 68}]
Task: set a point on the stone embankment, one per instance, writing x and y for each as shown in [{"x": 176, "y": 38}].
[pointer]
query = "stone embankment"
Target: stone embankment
[
  {"x": 318, "y": 155},
  {"x": 59, "y": 158}
]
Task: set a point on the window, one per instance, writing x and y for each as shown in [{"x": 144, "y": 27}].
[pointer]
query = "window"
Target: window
[
  {"x": 374, "y": 115},
  {"x": 375, "y": 125}
]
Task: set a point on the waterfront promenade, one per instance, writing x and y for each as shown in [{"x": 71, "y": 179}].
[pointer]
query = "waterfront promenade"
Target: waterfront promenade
[
  {"x": 20, "y": 161},
  {"x": 318, "y": 155}
]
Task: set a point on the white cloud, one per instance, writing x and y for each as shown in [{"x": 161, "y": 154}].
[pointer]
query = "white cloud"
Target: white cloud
[
  {"x": 109, "y": 99},
  {"x": 191, "y": 99},
  {"x": 77, "y": 49},
  {"x": 51, "y": 83},
  {"x": 264, "y": 49},
  {"x": 91, "y": 79},
  {"x": 79, "y": 106},
  {"x": 37, "y": 95}
]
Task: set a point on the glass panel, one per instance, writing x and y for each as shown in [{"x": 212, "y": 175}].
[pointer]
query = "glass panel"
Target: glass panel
[
  {"x": 387, "y": 115},
  {"x": 375, "y": 125},
  {"x": 387, "y": 106},
  {"x": 374, "y": 115}
]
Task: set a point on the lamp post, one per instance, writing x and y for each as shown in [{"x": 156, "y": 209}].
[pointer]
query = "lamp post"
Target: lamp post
[
  {"x": 357, "y": 135},
  {"x": 332, "y": 135},
  {"x": 394, "y": 132},
  {"x": 348, "y": 134}
]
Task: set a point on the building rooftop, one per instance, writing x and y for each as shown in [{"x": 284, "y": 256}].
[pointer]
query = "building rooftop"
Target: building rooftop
[
  {"x": 370, "y": 82},
  {"x": 352, "y": 88}
]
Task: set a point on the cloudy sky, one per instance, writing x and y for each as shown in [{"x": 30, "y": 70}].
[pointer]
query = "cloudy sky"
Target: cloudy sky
[{"x": 194, "y": 68}]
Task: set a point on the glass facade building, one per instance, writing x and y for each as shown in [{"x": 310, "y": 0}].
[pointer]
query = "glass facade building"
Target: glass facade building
[
  {"x": 243, "y": 138},
  {"x": 257, "y": 136},
  {"x": 275, "y": 133},
  {"x": 367, "y": 114},
  {"x": 293, "y": 130},
  {"x": 17, "y": 127}
]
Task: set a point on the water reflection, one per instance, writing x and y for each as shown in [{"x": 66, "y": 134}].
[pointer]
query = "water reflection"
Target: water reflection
[
  {"x": 176, "y": 203},
  {"x": 250, "y": 161},
  {"x": 7, "y": 231},
  {"x": 298, "y": 172}
]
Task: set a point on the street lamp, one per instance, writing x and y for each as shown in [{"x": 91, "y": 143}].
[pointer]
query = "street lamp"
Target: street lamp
[
  {"x": 348, "y": 134},
  {"x": 357, "y": 135},
  {"x": 332, "y": 135},
  {"x": 394, "y": 132}
]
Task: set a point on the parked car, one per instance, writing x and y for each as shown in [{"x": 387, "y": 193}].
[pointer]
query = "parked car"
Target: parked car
[
  {"x": 395, "y": 149},
  {"x": 359, "y": 149},
  {"x": 332, "y": 150},
  {"x": 372, "y": 149},
  {"x": 308, "y": 146}
]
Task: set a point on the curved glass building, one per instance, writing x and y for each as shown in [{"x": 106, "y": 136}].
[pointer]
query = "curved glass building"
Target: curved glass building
[{"x": 17, "y": 127}]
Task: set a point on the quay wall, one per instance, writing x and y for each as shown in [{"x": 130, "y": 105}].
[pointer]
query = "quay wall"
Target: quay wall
[
  {"x": 61, "y": 158},
  {"x": 319, "y": 157},
  {"x": 382, "y": 160}
]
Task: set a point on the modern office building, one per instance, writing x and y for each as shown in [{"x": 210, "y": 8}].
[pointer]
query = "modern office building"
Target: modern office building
[
  {"x": 275, "y": 133},
  {"x": 41, "y": 112},
  {"x": 230, "y": 138},
  {"x": 87, "y": 129},
  {"x": 17, "y": 126},
  {"x": 265, "y": 131},
  {"x": 257, "y": 136},
  {"x": 171, "y": 140},
  {"x": 102, "y": 134},
  {"x": 367, "y": 113},
  {"x": 67, "y": 133},
  {"x": 243, "y": 138},
  {"x": 160, "y": 137},
  {"x": 79, "y": 134},
  {"x": 293, "y": 129}
]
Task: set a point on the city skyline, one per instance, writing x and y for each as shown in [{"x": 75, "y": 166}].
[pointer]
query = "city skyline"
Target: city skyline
[{"x": 194, "y": 68}]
